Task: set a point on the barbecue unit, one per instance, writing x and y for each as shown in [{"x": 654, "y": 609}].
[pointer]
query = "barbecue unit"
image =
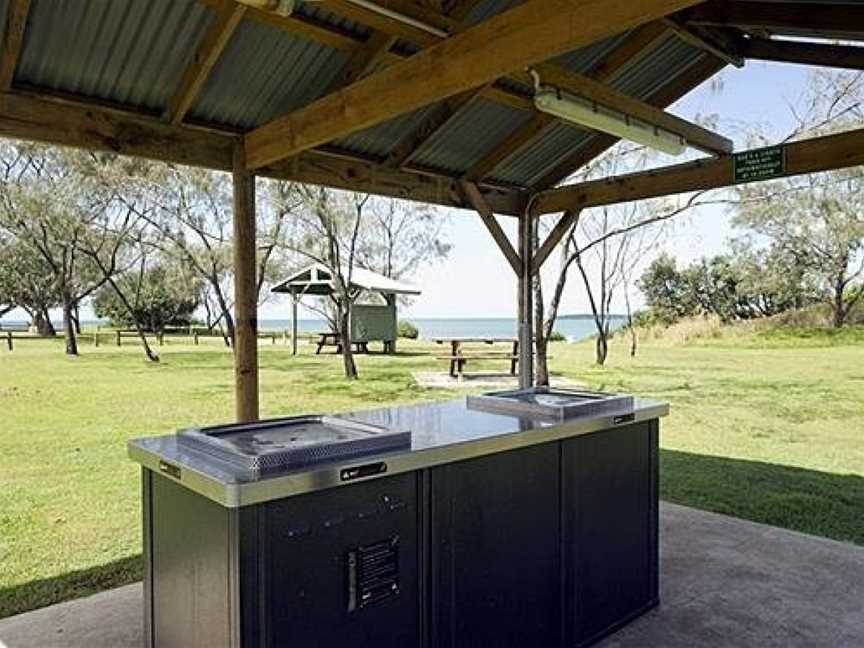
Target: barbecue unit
[{"x": 515, "y": 519}]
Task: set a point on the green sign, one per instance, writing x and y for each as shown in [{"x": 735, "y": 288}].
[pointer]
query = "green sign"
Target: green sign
[{"x": 763, "y": 164}]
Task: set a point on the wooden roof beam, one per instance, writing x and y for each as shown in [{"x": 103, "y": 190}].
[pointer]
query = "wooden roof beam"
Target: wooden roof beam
[
  {"x": 836, "y": 56},
  {"x": 213, "y": 43},
  {"x": 690, "y": 79},
  {"x": 67, "y": 123},
  {"x": 525, "y": 35},
  {"x": 780, "y": 17},
  {"x": 13, "y": 40},
  {"x": 484, "y": 210},
  {"x": 808, "y": 156},
  {"x": 707, "y": 42}
]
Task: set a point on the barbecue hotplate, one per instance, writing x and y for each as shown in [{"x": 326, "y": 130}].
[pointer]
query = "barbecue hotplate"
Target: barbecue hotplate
[
  {"x": 282, "y": 444},
  {"x": 551, "y": 402}
]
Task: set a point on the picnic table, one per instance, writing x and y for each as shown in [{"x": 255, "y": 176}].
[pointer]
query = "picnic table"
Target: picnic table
[
  {"x": 460, "y": 356},
  {"x": 329, "y": 338}
]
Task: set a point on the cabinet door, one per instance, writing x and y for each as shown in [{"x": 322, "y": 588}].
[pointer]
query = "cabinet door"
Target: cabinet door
[
  {"x": 340, "y": 567},
  {"x": 495, "y": 550},
  {"x": 610, "y": 529}
]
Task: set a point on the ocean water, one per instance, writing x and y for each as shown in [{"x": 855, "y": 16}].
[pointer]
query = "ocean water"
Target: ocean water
[{"x": 573, "y": 328}]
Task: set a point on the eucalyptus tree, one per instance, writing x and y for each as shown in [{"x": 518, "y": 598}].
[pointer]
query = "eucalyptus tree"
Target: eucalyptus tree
[{"x": 44, "y": 206}]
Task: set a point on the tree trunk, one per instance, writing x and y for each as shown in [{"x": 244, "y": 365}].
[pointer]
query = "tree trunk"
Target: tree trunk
[
  {"x": 345, "y": 341},
  {"x": 838, "y": 305},
  {"x": 42, "y": 323},
  {"x": 77, "y": 318},
  {"x": 541, "y": 342},
  {"x": 602, "y": 348},
  {"x": 152, "y": 357},
  {"x": 69, "y": 327}
]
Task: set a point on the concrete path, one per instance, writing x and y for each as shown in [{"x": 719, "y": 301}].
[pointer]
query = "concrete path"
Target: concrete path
[{"x": 725, "y": 582}]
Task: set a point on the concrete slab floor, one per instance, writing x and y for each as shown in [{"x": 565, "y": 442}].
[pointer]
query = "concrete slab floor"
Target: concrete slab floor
[{"x": 725, "y": 582}]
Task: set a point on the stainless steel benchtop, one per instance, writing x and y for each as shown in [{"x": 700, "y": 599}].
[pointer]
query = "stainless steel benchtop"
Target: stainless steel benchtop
[{"x": 442, "y": 433}]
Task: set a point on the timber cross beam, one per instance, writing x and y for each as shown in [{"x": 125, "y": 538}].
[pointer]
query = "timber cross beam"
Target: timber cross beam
[
  {"x": 519, "y": 37},
  {"x": 827, "y": 153}
]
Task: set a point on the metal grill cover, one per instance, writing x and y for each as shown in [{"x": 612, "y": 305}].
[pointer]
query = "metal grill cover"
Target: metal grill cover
[
  {"x": 283, "y": 444},
  {"x": 552, "y": 402}
]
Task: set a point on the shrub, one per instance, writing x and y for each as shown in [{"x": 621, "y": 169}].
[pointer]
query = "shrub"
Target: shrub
[
  {"x": 407, "y": 330},
  {"x": 557, "y": 336}
]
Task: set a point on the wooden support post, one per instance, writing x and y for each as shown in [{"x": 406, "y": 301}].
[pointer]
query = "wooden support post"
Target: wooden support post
[
  {"x": 9, "y": 339},
  {"x": 526, "y": 307},
  {"x": 245, "y": 288},
  {"x": 294, "y": 301},
  {"x": 118, "y": 339}
]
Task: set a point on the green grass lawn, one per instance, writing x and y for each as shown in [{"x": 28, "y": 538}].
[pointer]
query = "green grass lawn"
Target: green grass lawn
[{"x": 767, "y": 427}]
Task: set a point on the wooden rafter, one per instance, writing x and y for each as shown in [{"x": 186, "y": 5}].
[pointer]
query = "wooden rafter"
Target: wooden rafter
[
  {"x": 525, "y": 35},
  {"x": 780, "y": 17},
  {"x": 808, "y": 156},
  {"x": 552, "y": 240},
  {"x": 641, "y": 41},
  {"x": 684, "y": 83},
  {"x": 484, "y": 210},
  {"x": 212, "y": 45},
  {"x": 822, "y": 54},
  {"x": 13, "y": 39},
  {"x": 460, "y": 9},
  {"x": 706, "y": 42},
  {"x": 365, "y": 59}
]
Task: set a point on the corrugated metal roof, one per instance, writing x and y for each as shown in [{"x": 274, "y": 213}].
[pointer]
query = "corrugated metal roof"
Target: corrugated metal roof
[
  {"x": 647, "y": 75},
  {"x": 488, "y": 8},
  {"x": 316, "y": 13},
  {"x": 123, "y": 51},
  {"x": 534, "y": 160},
  {"x": 470, "y": 136},
  {"x": 263, "y": 73},
  {"x": 133, "y": 52},
  {"x": 381, "y": 140}
]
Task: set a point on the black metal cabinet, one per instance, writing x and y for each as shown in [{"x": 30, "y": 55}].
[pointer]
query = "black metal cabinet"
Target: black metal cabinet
[
  {"x": 610, "y": 529},
  {"x": 339, "y": 564},
  {"x": 496, "y": 550}
]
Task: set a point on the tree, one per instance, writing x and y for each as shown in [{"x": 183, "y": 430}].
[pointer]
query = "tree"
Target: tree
[
  {"x": 666, "y": 290},
  {"x": 23, "y": 284},
  {"x": 819, "y": 218},
  {"x": 327, "y": 232},
  {"x": 396, "y": 237},
  {"x": 45, "y": 207},
  {"x": 164, "y": 295},
  {"x": 191, "y": 210}
]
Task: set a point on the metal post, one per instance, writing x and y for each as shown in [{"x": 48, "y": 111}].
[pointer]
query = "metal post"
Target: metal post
[
  {"x": 294, "y": 300},
  {"x": 526, "y": 309},
  {"x": 245, "y": 298}
]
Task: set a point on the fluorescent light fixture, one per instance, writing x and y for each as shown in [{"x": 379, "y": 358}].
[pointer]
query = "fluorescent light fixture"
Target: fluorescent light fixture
[{"x": 587, "y": 113}]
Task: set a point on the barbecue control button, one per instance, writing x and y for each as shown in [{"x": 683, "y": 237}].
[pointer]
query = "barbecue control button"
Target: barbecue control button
[
  {"x": 368, "y": 513},
  {"x": 298, "y": 532},
  {"x": 334, "y": 521}
]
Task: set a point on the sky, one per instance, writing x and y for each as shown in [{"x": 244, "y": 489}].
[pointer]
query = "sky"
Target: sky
[{"x": 475, "y": 281}]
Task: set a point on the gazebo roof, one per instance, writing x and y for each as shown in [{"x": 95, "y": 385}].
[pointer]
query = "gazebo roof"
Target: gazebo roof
[
  {"x": 180, "y": 80},
  {"x": 316, "y": 279}
]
